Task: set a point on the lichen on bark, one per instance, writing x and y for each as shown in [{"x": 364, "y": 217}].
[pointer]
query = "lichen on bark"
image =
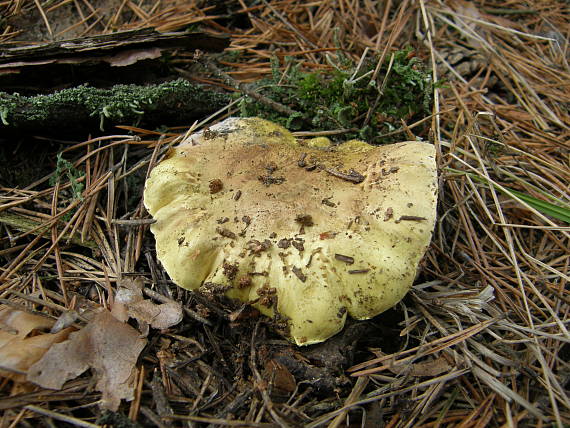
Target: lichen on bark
[{"x": 85, "y": 107}]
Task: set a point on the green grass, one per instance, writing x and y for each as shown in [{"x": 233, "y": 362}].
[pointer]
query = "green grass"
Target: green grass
[{"x": 560, "y": 212}]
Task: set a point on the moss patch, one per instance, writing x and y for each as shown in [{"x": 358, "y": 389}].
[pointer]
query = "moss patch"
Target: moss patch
[
  {"x": 121, "y": 104},
  {"x": 369, "y": 103}
]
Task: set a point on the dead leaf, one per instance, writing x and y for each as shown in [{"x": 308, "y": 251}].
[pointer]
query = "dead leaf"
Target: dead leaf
[
  {"x": 129, "y": 302},
  {"x": 425, "y": 368},
  {"x": 514, "y": 113},
  {"x": 24, "y": 339},
  {"x": 106, "y": 345},
  {"x": 160, "y": 316},
  {"x": 243, "y": 313},
  {"x": 22, "y": 323},
  {"x": 281, "y": 380},
  {"x": 65, "y": 320},
  {"x": 469, "y": 10},
  {"x": 469, "y": 13}
]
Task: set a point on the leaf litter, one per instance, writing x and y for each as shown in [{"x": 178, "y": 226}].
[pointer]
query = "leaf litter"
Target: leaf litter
[
  {"x": 48, "y": 353},
  {"x": 24, "y": 339},
  {"x": 129, "y": 302},
  {"x": 106, "y": 345}
]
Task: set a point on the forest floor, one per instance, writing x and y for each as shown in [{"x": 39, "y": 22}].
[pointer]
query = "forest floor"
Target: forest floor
[{"x": 481, "y": 339}]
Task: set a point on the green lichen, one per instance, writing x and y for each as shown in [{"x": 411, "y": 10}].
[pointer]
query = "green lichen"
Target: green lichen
[
  {"x": 64, "y": 168},
  {"x": 118, "y": 104},
  {"x": 7, "y": 104},
  {"x": 348, "y": 98}
]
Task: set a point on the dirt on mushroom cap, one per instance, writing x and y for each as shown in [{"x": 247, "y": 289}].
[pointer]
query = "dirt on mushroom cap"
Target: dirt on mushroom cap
[{"x": 282, "y": 185}]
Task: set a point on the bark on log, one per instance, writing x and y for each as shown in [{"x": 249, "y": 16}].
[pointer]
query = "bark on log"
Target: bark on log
[{"x": 107, "y": 47}]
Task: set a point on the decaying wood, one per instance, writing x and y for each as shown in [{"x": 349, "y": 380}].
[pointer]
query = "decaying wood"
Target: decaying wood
[
  {"x": 111, "y": 48},
  {"x": 102, "y": 61},
  {"x": 87, "y": 109}
]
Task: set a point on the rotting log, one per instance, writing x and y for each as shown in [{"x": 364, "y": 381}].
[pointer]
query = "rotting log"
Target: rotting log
[
  {"x": 110, "y": 48},
  {"x": 89, "y": 109}
]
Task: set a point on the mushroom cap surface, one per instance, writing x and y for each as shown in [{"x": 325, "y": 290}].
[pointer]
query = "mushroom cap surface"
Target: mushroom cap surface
[{"x": 308, "y": 230}]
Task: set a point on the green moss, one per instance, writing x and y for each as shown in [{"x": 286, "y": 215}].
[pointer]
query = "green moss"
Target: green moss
[
  {"x": 7, "y": 104},
  {"x": 343, "y": 98},
  {"x": 64, "y": 168},
  {"x": 119, "y": 104}
]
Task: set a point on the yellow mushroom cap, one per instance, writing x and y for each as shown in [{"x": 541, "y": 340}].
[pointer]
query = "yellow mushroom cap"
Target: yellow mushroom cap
[{"x": 307, "y": 230}]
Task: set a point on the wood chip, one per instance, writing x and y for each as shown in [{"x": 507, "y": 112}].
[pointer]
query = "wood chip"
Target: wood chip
[
  {"x": 352, "y": 176},
  {"x": 299, "y": 273},
  {"x": 343, "y": 258},
  {"x": 226, "y": 233},
  {"x": 356, "y": 271}
]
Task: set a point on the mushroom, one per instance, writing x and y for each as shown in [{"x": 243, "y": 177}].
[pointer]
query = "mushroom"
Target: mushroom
[{"x": 305, "y": 230}]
